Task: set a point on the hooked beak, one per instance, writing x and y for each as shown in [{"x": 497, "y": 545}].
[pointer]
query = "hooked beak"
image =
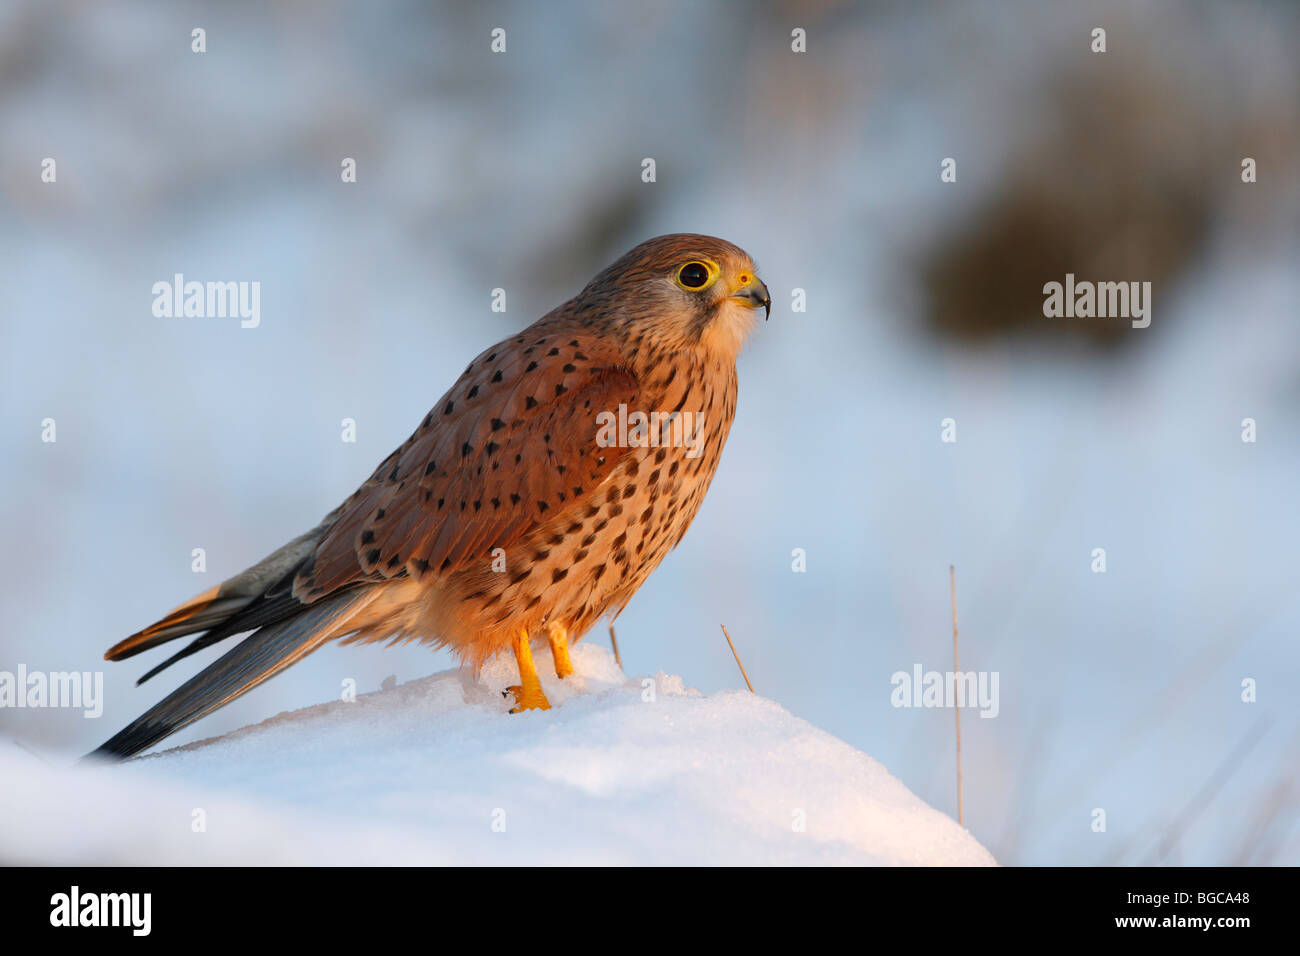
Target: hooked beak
[{"x": 751, "y": 293}]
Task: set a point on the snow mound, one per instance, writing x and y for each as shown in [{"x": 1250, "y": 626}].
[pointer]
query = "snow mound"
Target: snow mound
[{"x": 435, "y": 771}]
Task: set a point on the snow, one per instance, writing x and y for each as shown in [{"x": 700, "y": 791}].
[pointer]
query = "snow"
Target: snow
[{"x": 434, "y": 771}]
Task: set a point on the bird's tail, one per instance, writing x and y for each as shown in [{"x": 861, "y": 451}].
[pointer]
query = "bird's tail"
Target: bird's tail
[
  {"x": 260, "y": 595},
  {"x": 261, "y": 655},
  {"x": 208, "y": 610}
]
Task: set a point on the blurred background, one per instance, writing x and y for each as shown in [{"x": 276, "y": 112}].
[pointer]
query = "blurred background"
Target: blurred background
[{"x": 522, "y": 170}]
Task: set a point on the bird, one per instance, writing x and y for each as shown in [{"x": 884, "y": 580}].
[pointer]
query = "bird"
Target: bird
[{"x": 534, "y": 499}]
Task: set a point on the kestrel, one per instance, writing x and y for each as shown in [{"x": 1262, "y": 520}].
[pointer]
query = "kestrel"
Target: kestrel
[{"x": 535, "y": 498}]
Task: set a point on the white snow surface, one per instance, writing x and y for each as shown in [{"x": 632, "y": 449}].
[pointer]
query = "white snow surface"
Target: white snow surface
[{"x": 434, "y": 771}]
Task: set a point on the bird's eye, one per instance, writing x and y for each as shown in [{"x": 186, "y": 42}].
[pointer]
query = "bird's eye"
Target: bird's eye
[{"x": 695, "y": 275}]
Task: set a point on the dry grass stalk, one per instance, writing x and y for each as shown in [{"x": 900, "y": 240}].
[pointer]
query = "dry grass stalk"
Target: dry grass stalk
[
  {"x": 613, "y": 640},
  {"x": 737, "y": 657},
  {"x": 956, "y": 669}
]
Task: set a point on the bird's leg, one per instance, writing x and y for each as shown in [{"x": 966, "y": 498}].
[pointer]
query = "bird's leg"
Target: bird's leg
[
  {"x": 559, "y": 638},
  {"x": 528, "y": 693}
]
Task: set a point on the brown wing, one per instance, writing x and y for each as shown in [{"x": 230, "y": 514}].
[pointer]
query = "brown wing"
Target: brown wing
[{"x": 508, "y": 447}]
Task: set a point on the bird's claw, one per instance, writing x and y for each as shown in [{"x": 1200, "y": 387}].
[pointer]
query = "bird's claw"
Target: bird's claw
[{"x": 527, "y": 698}]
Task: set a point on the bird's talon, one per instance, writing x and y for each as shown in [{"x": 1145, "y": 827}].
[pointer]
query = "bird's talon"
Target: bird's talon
[
  {"x": 528, "y": 693},
  {"x": 524, "y": 700}
]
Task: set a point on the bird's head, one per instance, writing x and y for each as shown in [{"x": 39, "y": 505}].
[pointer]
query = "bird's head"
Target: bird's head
[{"x": 681, "y": 291}]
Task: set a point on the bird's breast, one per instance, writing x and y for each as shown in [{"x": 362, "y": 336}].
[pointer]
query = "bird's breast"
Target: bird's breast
[{"x": 592, "y": 556}]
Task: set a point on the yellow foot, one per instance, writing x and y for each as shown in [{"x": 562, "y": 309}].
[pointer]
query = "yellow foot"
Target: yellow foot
[
  {"x": 528, "y": 693},
  {"x": 559, "y": 638},
  {"x": 528, "y": 699}
]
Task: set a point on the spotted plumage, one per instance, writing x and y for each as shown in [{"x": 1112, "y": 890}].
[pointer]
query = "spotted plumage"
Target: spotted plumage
[{"x": 505, "y": 517}]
